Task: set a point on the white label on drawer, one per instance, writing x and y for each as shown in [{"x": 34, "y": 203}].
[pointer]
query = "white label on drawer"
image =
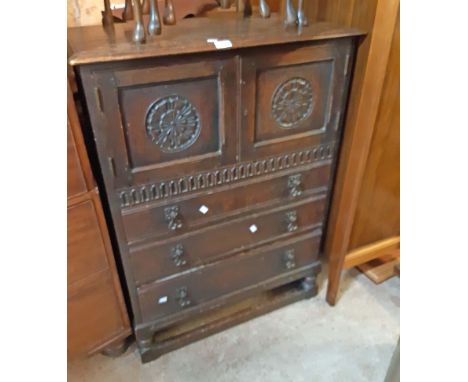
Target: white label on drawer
[
  {"x": 253, "y": 228},
  {"x": 203, "y": 209},
  {"x": 162, "y": 300}
]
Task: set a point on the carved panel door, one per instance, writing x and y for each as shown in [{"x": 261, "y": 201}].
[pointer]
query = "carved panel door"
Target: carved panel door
[
  {"x": 292, "y": 98},
  {"x": 156, "y": 120}
]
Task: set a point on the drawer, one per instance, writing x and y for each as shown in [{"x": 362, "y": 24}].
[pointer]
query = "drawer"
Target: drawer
[
  {"x": 86, "y": 251},
  {"x": 219, "y": 279},
  {"x": 161, "y": 259},
  {"x": 189, "y": 213},
  {"x": 94, "y": 315}
]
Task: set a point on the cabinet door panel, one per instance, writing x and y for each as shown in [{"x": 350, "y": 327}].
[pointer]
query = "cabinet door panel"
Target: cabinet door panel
[
  {"x": 293, "y": 97},
  {"x": 153, "y": 119}
]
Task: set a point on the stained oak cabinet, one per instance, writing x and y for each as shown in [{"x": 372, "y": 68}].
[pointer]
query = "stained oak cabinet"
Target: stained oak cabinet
[
  {"x": 96, "y": 313},
  {"x": 217, "y": 165}
]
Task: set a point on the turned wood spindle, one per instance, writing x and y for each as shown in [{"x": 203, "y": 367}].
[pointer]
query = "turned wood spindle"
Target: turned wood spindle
[
  {"x": 139, "y": 30},
  {"x": 225, "y": 4},
  {"x": 145, "y": 7},
  {"x": 128, "y": 11},
  {"x": 154, "y": 23},
  {"x": 240, "y": 5},
  {"x": 264, "y": 9},
  {"x": 169, "y": 15},
  {"x": 107, "y": 17},
  {"x": 290, "y": 15},
  {"x": 247, "y": 8},
  {"x": 301, "y": 17}
]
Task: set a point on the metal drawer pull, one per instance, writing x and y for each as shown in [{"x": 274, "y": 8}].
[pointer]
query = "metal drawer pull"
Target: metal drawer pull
[
  {"x": 291, "y": 220},
  {"x": 178, "y": 255},
  {"x": 289, "y": 259},
  {"x": 173, "y": 218},
  {"x": 253, "y": 228},
  {"x": 294, "y": 185},
  {"x": 182, "y": 297}
]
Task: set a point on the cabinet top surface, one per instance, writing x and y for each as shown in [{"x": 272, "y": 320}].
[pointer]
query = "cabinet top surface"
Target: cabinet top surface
[{"x": 93, "y": 44}]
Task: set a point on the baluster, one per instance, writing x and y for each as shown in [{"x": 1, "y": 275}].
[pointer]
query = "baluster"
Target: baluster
[
  {"x": 154, "y": 23},
  {"x": 169, "y": 15},
  {"x": 139, "y": 30}
]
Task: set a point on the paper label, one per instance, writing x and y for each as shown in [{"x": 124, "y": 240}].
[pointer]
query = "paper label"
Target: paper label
[
  {"x": 220, "y": 44},
  {"x": 203, "y": 209},
  {"x": 162, "y": 300}
]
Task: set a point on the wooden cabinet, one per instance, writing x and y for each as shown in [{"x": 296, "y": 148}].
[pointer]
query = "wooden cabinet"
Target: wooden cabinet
[
  {"x": 364, "y": 222},
  {"x": 97, "y": 316},
  {"x": 218, "y": 166}
]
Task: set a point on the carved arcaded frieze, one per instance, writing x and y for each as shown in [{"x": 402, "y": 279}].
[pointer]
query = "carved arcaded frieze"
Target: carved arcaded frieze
[{"x": 221, "y": 176}]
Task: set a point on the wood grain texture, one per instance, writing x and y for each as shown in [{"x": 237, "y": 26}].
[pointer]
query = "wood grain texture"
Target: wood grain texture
[
  {"x": 371, "y": 251},
  {"x": 97, "y": 316},
  {"x": 177, "y": 269},
  {"x": 92, "y": 44},
  {"x": 382, "y": 268},
  {"x": 362, "y": 114},
  {"x": 378, "y": 210}
]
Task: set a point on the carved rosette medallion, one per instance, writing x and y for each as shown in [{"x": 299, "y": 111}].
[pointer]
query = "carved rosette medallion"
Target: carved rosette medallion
[
  {"x": 173, "y": 123},
  {"x": 292, "y": 102}
]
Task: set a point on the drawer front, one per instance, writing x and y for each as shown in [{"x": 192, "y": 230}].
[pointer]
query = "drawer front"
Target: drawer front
[
  {"x": 157, "y": 118},
  {"x": 185, "y": 214},
  {"x": 156, "y": 261},
  {"x": 94, "y": 316},
  {"x": 293, "y": 97},
  {"x": 231, "y": 275},
  {"x": 86, "y": 250}
]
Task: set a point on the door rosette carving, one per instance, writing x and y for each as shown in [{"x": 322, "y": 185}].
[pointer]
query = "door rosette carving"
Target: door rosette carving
[
  {"x": 292, "y": 102},
  {"x": 173, "y": 123}
]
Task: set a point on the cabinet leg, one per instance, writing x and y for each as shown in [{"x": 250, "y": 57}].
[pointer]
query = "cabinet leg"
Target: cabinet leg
[
  {"x": 118, "y": 348},
  {"x": 309, "y": 284}
]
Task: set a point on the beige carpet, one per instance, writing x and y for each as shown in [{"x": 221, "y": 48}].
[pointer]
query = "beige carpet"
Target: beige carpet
[{"x": 306, "y": 341}]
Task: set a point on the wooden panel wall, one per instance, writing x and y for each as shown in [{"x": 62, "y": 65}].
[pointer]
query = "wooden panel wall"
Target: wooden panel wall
[
  {"x": 378, "y": 211},
  {"x": 363, "y": 154}
]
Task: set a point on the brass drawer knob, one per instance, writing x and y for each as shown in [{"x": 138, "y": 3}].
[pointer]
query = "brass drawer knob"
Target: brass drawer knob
[
  {"x": 294, "y": 185},
  {"x": 182, "y": 297},
  {"x": 289, "y": 259},
  {"x": 291, "y": 220},
  {"x": 178, "y": 255},
  {"x": 173, "y": 218}
]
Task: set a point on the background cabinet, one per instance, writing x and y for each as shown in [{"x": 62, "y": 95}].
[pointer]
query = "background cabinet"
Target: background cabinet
[{"x": 96, "y": 313}]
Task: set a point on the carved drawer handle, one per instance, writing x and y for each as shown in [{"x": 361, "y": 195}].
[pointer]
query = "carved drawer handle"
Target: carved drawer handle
[
  {"x": 178, "y": 255},
  {"x": 294, "y": 185},
  {"x": 289, "y": 259},
  {"x": 182, "y": 297},
  {"x": 291, "y": 220},
  {"x": 173, "y": 218}
]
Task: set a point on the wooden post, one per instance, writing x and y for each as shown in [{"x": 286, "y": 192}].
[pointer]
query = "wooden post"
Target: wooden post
[{"x": 356, "y": 144}]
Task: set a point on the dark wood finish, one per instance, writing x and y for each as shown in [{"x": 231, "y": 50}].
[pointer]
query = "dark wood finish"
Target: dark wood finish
[
  {"x": 156, "y": 260},
  {"x": 91, "y": 44},
  {"x": 196, "y": 211},
  {"x": 250, "y": 134},
  {"x": 97, "y": 316},
  {"x": 267, "y": 72},
  {"x": 165, "y": 297},
  {"x": 379, "y": 18}
]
